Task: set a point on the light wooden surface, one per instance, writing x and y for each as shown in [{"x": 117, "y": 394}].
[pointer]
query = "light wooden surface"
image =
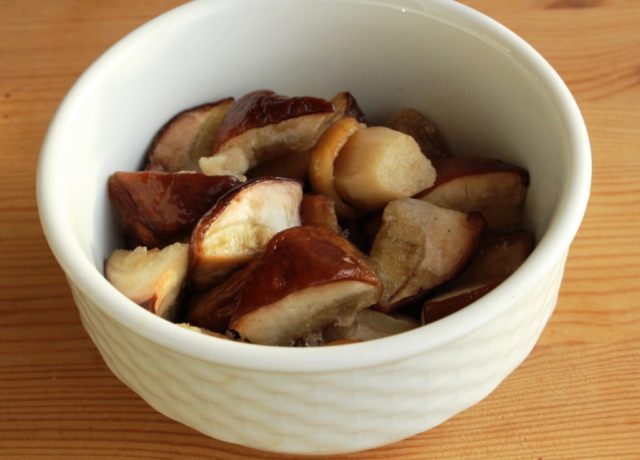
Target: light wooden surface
[{"x": 576, "y": 396}]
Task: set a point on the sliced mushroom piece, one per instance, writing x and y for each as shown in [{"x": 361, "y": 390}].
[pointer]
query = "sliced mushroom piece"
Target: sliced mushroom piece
[
  {"x": 323, "y": 156},
  {"x": 159, "y": 208},
  {"x": 424, "y": 131},
  {"x": 186, "y": 137},
  {"x": 240, "y": 225},
  {"x": 294, "y": 166},
  {"x": 319, "y": 210},
  {"x": 497, "y": 257},
  {"x": 492, "y": 187},
  {"x": 262, "y": 126},
  {"x": 212, "y": 309},
  {"x": 378, "y": 165},
  {"x": 452, "y": 301},
  {"x": 152, "y": 278},
  {"x": 370, "y": 324},
  {"x": 419, "y": 247},
  {"x": 306, "y": 279}
]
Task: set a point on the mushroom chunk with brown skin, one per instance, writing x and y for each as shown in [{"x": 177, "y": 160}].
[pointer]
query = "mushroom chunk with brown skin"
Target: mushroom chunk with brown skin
[
  {"x": 424, "y": 131},
  {"x": 186, "y": 137},
  {"x": 497, "y": 257},
  {"x": 492, "y": 187},
  {"x": 420, "y": 246},
  {"x": 262, "y": 126},
  {"x": 296, "y": 165},
  {"x": 158, "y": 208},
  {"x": 321, "y": 165},
  {"x": 378, "y": 165},
  {"x": 212, "y": 309},
  {"x": 452, "y": 301},
  {"x": 306, "y": 279},
  {"x": 319, "y": 210},
  {"x": 152, "y": 278},
  {"x": 240, "y": 225}
]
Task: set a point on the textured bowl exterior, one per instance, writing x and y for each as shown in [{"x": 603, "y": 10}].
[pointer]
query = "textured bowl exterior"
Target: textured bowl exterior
[{"x": 330, "y": 412}]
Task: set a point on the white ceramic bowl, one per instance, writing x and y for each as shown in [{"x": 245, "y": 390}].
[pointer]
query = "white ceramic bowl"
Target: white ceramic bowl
[{"x": 491, "y": 93}]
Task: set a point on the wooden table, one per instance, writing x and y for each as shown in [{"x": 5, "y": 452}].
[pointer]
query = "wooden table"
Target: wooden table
[{"x": 576, "y": 396}]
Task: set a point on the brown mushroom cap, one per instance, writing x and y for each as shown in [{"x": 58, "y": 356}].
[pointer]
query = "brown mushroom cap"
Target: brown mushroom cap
[
  {"x": 158, "y": 208},
  {"x": 450, "y": 302},
  {"x": 179, "y": 143},
  {"x": 308, "y": 277},
  {"x": 492, "y": 187},
  {"x": 262, "y": 126},
  {"x": 239, "y": 226}
]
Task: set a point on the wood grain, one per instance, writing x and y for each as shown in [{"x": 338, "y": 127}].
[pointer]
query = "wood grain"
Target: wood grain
[{"x": 578, "y": 394}]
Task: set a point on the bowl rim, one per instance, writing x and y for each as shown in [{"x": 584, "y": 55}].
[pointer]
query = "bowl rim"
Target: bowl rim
[{"x": 550, "y": 250}]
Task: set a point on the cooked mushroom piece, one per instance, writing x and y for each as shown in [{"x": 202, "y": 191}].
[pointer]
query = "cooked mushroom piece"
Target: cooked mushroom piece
[
  {"x": 424, "y": 131},
  {"x": 497, "y": 257},
  {"x": 492, "y": 187},
  {"x": 452, "y": 301},
  {"x": 321, "y": 165},
  {"x": 420, "y": 246},
  {"x": 212, "y": 309},
  {"x": 296, "y": 166},
  {"x": 307, "y": 278},
  {"x": 262, "y": 126},
  {"x": 319, "y": 210},
  {"x": 239, "y": 226},
  {"x": 158, "y": 208},
  {"x": 378, "y": 165},
  {"x": 152, "y": 278},
  {"x": 186, "y": 137}
]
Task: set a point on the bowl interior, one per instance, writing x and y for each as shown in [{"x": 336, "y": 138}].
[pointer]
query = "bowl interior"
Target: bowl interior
[{"x": 489, "y": 93}]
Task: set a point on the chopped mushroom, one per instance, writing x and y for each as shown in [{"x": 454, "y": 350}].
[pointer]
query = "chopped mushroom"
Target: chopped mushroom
[
  {"x": 420, "y": 246},
  {"x": 492, "y": 187},
  {"x": 423, "y": 130},
  {"x": 450, "y": 302},
  {"x": 262, "y": 126},
  {"x": 377, "y": 165},
  {"x": 186, "y": 137},
  {"x": 240, "y": 225},
  {"x": 296, "y": 165},
  {"x": 319, "y": 210},
  {"x": 158, "y": 208},
  {"x": 152, "y": 278},
  {"x": 323, "y": 156},
  {"x": 497, "y": 257},
  {"x": 306, "y": 279}
]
